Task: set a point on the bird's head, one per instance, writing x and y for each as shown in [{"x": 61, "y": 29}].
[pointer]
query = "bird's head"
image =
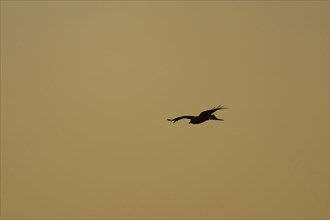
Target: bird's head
[{"x": 212, "y": 117}]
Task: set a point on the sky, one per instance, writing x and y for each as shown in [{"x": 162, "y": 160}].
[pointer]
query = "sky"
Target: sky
[{"x": 87, "y": 88}]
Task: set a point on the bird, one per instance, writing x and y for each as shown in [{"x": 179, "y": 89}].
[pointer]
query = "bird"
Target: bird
[{"x": 202, "y": 117}]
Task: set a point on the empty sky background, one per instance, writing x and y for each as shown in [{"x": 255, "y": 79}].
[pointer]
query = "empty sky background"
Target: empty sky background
[{"x": 86, "y": 88}]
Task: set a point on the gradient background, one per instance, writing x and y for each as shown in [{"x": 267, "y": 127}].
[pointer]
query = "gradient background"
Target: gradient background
[{"x": 86, "y": 88}]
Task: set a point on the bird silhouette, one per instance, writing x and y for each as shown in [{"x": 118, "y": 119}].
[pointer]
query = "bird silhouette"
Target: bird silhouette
[{"x": 202, "y": 117}]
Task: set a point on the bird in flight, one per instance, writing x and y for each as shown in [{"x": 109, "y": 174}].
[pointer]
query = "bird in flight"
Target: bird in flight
[{"x": 203, "y": 116}]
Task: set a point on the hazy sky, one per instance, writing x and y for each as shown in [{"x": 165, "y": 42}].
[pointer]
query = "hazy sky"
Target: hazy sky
[{"x": 86, "y": 88}]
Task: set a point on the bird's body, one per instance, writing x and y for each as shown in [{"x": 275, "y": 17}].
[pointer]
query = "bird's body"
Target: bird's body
[{"x": 202, "y": 117}]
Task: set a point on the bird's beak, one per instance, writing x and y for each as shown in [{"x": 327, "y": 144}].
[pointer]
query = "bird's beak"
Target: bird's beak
[{"x": 218, "y": 119}]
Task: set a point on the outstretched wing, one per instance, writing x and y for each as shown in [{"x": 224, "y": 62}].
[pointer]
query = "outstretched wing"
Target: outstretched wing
[
  {"x": 211, "y": 111},
  {"x": 179, "y": 118}
]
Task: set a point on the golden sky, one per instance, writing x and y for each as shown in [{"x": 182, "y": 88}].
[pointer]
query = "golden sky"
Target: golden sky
[{"x": 87, "y": 86}]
